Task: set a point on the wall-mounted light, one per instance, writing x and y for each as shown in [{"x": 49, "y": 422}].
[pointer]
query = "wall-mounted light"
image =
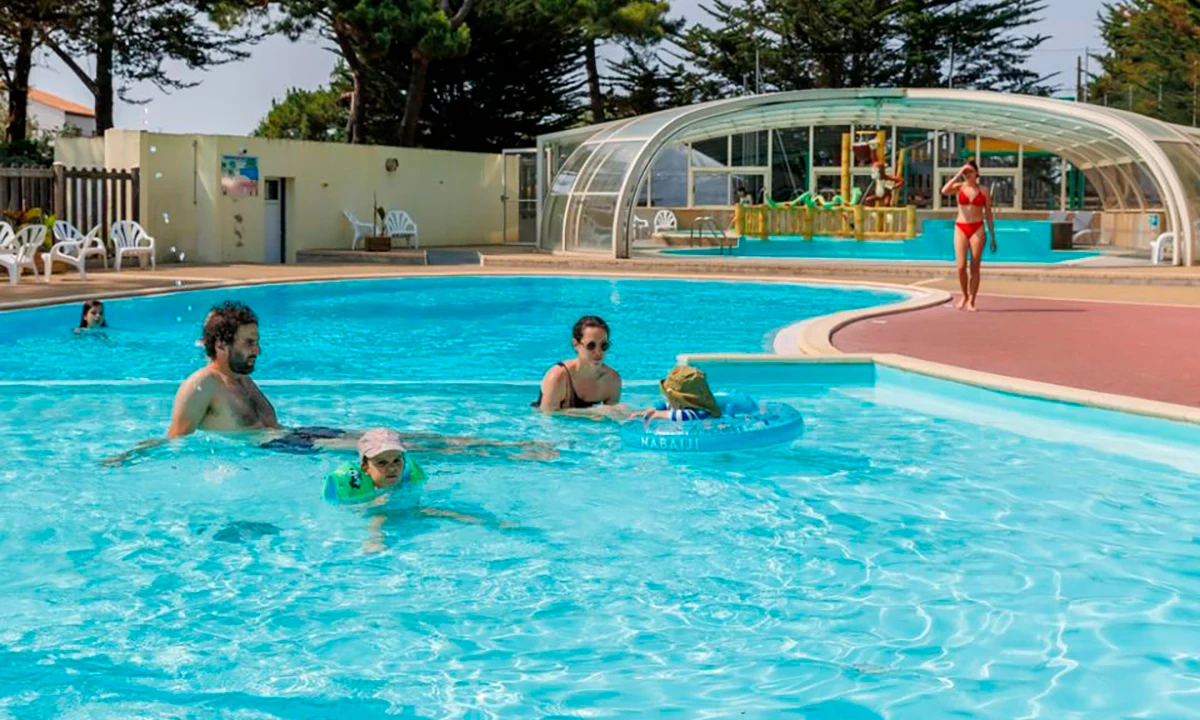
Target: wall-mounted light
[{"x": 391, "y": 164}]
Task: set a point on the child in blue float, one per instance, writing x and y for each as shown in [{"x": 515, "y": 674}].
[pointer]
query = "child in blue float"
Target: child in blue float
[{"x": 688, "y": 396}]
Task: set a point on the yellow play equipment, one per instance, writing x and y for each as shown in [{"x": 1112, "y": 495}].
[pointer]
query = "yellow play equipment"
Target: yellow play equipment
[{"x": 810, "y": 215}]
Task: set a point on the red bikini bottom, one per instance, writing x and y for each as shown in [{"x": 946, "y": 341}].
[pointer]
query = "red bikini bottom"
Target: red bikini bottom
[{"x": 969, "y": 228}]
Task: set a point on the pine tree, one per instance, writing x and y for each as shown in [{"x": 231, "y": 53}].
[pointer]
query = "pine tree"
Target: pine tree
[
  {"x": 1153, "y": 58},
  {"x": 803, "y": 44}
]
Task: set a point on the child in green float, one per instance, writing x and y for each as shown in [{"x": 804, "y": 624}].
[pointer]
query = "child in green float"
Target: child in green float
[{"x": 385, "y": 470}]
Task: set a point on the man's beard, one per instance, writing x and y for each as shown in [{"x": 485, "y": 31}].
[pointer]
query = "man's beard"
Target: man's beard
[{"x": 241, "y": 365}]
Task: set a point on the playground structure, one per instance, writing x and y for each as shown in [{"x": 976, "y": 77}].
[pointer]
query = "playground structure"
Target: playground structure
[
  {"x": 810, "y": 214},
  {"x": 845, "y": 221}
]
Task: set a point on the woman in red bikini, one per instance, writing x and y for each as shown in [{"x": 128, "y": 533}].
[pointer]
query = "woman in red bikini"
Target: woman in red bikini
[{"x": 974, "y": 207}]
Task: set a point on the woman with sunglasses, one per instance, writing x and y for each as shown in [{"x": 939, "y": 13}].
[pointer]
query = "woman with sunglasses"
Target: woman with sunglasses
[
  {"x": 974, "y": 206},
  {"x": 583, "y": 381}
]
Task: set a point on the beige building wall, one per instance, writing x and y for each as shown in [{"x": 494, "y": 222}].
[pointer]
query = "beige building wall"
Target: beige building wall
[
  {"x": 80, "y": 152},
  {"x": 455, "y": 198}
]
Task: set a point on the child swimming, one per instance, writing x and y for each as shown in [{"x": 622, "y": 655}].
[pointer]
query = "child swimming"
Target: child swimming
[{"x": 92, "y": 317}]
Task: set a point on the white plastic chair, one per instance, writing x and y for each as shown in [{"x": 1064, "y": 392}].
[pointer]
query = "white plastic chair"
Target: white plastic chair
[
  {"x": 129, "y": 238},
  {"x": 665, "y": 220},
  {"x": 22, "y": 253},
  {"x": 74, "y": 249},
  {"x": 6, "y": 235},
  {"x": 397, "y": 223},
  {"x": 1158, "y": 248},
  {"x": 361, "y": 229},
  {"x": 640, "y": 225}
]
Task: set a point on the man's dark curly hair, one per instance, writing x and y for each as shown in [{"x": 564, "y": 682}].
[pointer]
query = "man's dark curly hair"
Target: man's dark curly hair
[{"x": 223, "y": 323}]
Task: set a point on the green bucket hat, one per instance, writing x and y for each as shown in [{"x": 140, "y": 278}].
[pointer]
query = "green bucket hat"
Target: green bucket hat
[{"x": 687, "y": 387}]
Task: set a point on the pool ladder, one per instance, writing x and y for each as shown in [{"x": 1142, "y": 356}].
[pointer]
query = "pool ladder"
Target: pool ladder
[{"x": 705, "y": 225}]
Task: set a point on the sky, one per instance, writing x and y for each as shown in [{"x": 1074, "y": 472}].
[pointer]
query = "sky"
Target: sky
[{"x": 231, "y": 99}]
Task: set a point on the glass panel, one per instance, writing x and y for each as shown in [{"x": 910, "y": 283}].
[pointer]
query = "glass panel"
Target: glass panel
[
  {"x": 643, "y": 194},
  {"x": 570, "y": 170},
  {"x": 750, "y": 149},
  {"x": 917, "y": 171},
  {"x": 1109, "y": 186},
  {"x": 711, "y": 153},
  {"x": 752, "y": 184},
  {"x": 1148, "y": 187},
  {"x": 527, "y": 176},
  {"x": 669, "y": 177},
  {"x": 1081, "y": 191},
  {"x": 789, "y": 163},
  {"x": 829, "y": 185},
  {"x": 595, "y": 224},
  {"x": 1186, "y": 161},
  {"x": 1102, "y": 194},
  {"x": 553, "y": 222},
  {"x": 953, "y": 150},
  {"x": 827, "y": 145},
  {"x": 997, "y": 153},
  {"x": 1041, "y": 182},
  {"x": 612, "y": 161},
  {"x": 1126, "y": 177},
  {"x": 562, "y": 152},
  {"x": 711, "y": 189},
  {"x": 1003, "y": 189}
]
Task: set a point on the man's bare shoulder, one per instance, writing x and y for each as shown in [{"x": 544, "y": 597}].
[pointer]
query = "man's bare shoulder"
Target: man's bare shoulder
[{"x": 206, "y": 379}]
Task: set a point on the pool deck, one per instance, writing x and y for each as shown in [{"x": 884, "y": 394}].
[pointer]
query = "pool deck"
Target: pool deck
[{"x": 1129, "y": 331}]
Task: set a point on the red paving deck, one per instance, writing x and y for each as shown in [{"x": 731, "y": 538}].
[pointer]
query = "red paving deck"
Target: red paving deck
[{"x": 1146, "y": 351}]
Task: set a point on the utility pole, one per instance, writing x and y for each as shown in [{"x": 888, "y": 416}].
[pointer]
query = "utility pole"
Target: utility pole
[
  {"x": 757, "y": 72},
  {"x": 950, "y": 79},
  {"x": 1079, "y": 79},
  {"x": 1087, "y": 75}
]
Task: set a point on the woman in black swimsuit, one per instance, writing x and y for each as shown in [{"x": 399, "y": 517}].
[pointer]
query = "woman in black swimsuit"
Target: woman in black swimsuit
[{"x": 583, "y": 381}]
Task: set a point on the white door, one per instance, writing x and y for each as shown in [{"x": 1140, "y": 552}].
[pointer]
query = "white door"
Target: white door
[{"x": 273, "y": 221}]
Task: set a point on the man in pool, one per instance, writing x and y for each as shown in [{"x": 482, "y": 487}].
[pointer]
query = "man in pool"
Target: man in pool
[{"x": 221, "y": 397}]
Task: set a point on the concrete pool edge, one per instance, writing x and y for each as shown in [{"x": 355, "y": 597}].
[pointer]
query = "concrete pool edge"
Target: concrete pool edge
[
  {"x": 1020, "y": 387},
  {"x": 814, "y": 336}
]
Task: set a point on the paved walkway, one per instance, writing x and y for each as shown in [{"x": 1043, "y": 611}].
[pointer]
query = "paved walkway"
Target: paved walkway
[{"x": 1145, "y": 351}]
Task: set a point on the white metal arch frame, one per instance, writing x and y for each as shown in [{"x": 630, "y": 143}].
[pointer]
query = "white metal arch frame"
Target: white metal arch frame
[{"x": 1085, "y": 135}]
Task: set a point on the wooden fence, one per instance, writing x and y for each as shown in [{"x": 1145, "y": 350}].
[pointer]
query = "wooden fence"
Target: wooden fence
[
  {"x": 85, "y": 197},
  {"x": 22, "y": 188}
]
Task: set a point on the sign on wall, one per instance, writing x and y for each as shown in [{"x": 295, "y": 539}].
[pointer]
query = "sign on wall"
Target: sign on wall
[{"x": 239, "y": 175}]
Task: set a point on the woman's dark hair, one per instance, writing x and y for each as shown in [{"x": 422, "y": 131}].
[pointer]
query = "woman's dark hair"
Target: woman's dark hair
[
  {"x": 974, "y": 164},
  {"x": 586, "y": 322},
  {"x": 223, "y": 323},
  {"x": 87, "y": 306}
]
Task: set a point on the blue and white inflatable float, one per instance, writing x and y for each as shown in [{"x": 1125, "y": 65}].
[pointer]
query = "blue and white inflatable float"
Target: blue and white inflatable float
[{"x": 745, "y": 423}]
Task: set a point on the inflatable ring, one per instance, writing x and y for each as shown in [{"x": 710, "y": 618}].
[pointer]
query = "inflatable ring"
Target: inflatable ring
[
  {"x": 349, "y": 485},
  {"x": 744, "y": 424}
]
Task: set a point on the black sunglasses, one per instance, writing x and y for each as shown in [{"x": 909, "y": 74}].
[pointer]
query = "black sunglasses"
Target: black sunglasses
[{"x": 591, "y": 345}]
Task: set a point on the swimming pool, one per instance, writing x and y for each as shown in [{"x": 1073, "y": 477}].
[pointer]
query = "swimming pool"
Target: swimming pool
[
  {"x": 492, "y": 328},
  {"x": 925, "y": 550},
  {"x": 1018, "y": 241}
]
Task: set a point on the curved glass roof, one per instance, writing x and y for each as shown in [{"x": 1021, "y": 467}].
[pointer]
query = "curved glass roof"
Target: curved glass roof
[{"x": 591, "y": 199}]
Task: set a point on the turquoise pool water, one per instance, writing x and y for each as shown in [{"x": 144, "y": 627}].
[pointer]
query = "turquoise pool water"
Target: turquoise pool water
[
  {"x": 1017, "y": 242},
  {"x": 924, "y": 551},
  {"x": 464, "y": 328}
]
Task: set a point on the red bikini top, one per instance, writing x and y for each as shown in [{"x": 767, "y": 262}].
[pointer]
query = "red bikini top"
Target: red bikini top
[{"x": 963, "y": 199}]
